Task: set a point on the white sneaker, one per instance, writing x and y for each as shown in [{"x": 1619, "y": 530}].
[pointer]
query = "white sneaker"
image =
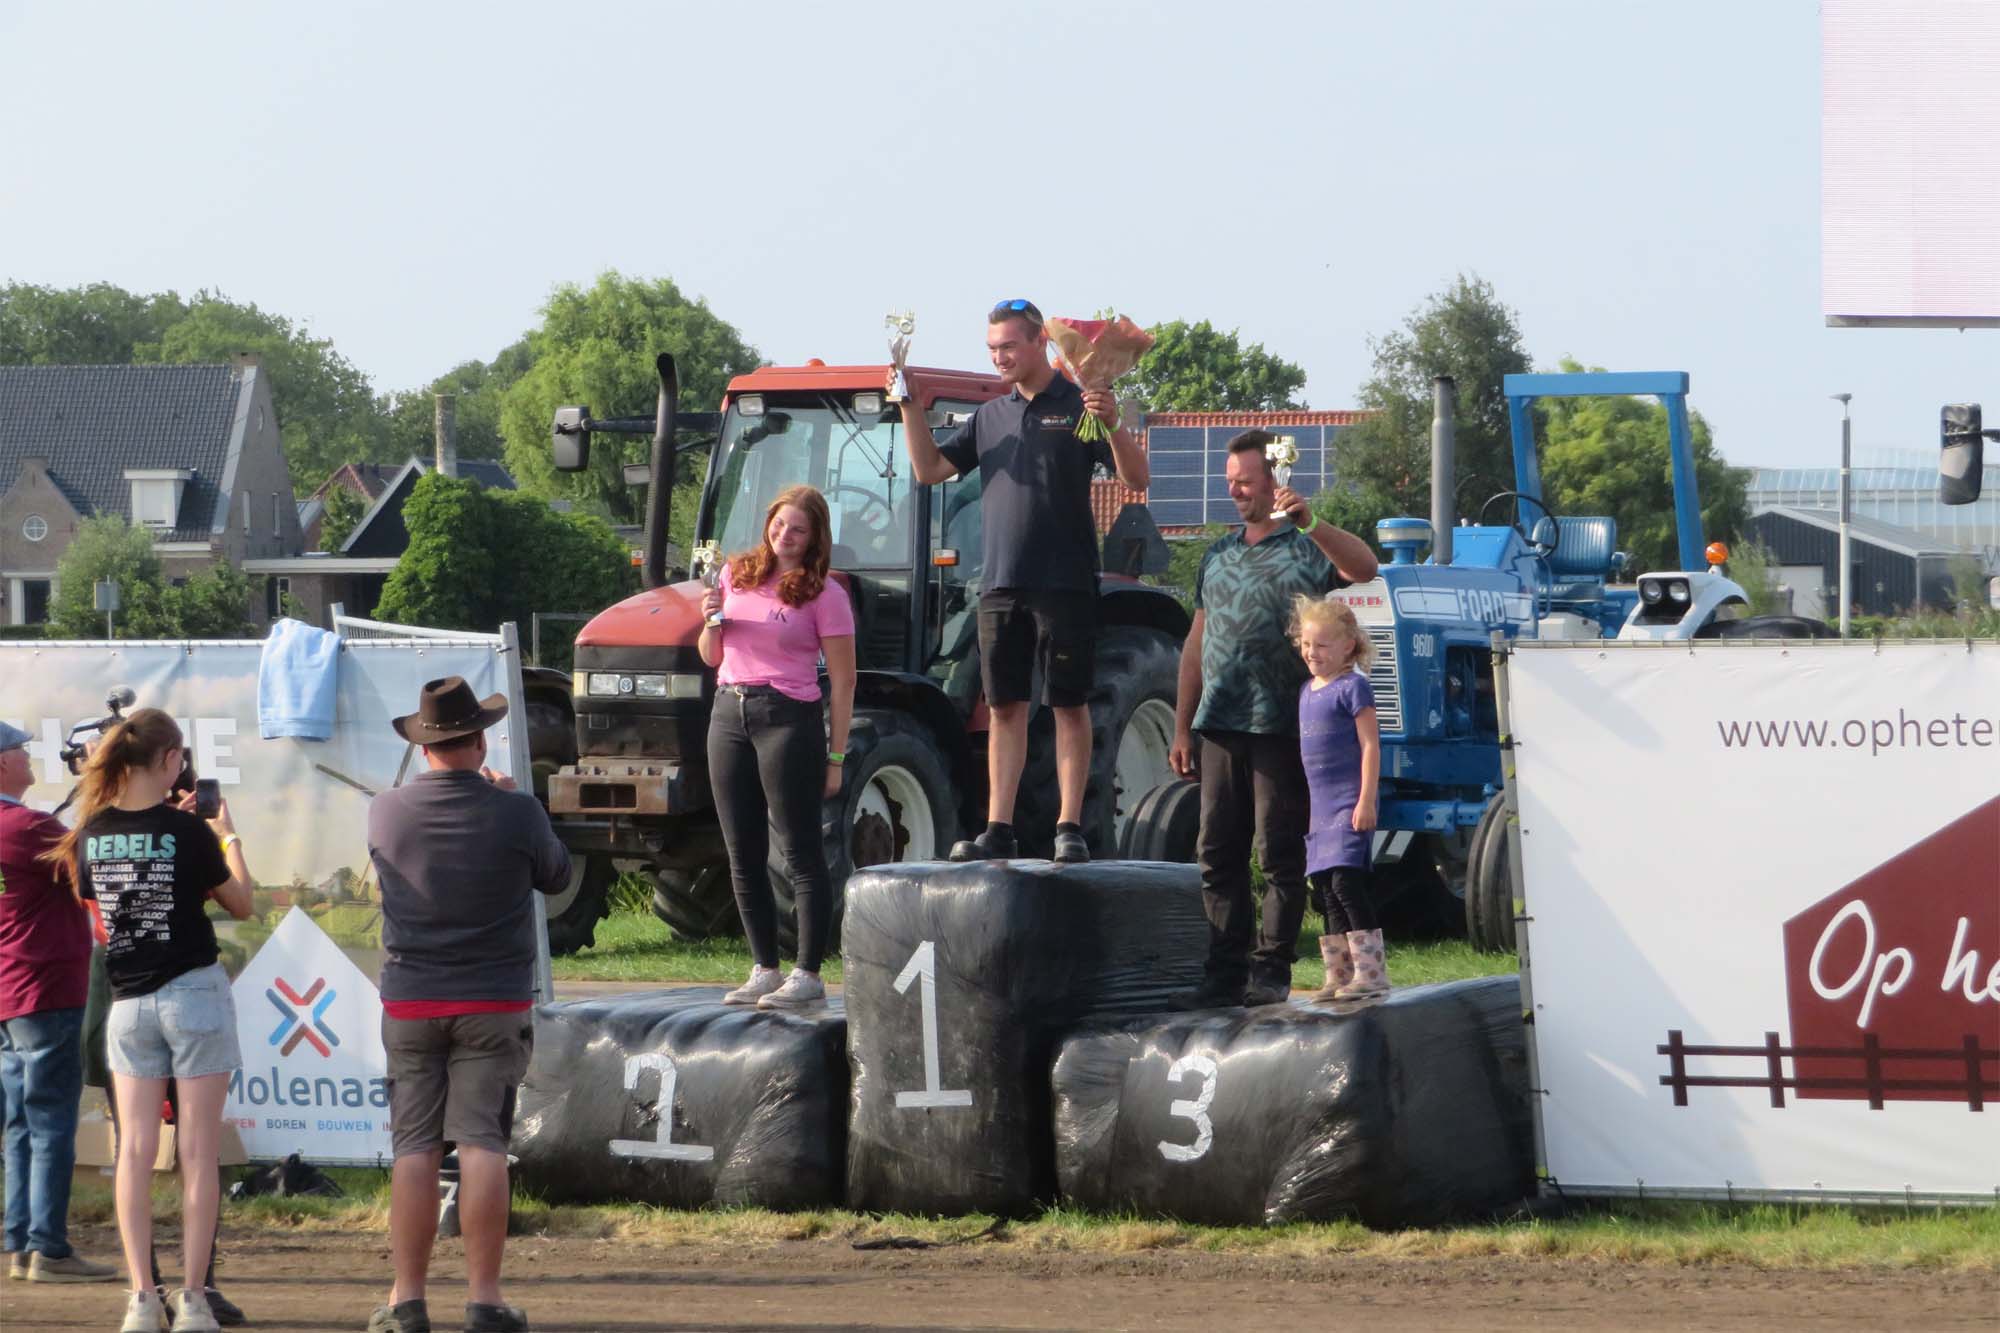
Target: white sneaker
[
  {"x": 191, "y": 1313},
  {"x": 144, "y": 1314},
  {"x": 763, "y": 980},
  {"x": 802, "y": 990}
]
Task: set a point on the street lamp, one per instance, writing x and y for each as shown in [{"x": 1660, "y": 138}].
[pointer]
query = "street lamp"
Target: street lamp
[{"x": 1846, "y": 493}]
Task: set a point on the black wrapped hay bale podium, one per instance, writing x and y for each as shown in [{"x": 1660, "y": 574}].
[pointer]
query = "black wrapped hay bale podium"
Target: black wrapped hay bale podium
[
  {"x": 1410, "y": 1112},
  {"x": 671, "y": 1097},
  {"x": 960, "y": 980}
]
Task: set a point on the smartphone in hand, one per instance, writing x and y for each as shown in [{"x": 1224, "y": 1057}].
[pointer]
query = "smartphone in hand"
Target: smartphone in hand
[{"x": 207, "y": 798}]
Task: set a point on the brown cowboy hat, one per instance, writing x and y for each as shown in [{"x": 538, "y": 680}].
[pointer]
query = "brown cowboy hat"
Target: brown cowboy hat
[{"x": 447, "y": 710}]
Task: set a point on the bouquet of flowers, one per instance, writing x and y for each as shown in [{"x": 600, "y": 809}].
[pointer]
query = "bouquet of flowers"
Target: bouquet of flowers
[{"x": 1094, "y": 353}]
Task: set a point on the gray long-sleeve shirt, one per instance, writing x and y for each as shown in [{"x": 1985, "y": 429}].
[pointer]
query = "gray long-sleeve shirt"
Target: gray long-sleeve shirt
[{"x": 457, "y": 858}]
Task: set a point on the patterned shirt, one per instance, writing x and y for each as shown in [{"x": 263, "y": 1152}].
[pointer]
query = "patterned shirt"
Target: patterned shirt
[{"x": 1250, "y": 671}]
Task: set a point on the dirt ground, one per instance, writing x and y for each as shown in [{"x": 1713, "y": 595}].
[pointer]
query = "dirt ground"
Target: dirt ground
[{"x": 330, "y": 1280}]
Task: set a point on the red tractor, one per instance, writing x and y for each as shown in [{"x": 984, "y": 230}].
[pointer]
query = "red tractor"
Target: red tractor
[{"x": 621, "y": 746}]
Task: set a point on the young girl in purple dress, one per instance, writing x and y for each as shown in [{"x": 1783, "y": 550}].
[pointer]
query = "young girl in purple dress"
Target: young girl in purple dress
[{"x": 1343, "y": 760}]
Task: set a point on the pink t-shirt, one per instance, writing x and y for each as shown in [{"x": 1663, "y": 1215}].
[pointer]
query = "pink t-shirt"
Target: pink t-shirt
[{"x": 765, "y": 642}]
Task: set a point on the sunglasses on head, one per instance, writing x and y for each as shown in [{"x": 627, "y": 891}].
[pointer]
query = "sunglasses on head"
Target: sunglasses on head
[{"x": 1017, "y": 306}]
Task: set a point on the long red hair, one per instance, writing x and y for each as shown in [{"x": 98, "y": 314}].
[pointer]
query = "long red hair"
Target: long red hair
[{"x": 749, "y": 569}]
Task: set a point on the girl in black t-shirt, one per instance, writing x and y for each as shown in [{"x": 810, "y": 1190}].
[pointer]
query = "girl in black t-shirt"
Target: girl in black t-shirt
[{"x": 152, "y": 865}]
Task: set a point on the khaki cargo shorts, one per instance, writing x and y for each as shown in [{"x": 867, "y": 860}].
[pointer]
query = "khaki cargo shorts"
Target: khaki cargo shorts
[{"x": 453, "y": 1080}]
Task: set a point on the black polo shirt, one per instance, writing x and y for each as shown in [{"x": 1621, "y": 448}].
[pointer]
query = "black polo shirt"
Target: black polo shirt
[{"x": 1034, "y": 479}]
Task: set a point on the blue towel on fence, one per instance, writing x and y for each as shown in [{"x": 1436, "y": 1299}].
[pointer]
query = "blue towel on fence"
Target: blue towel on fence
[{"x": 296, "y": 682}]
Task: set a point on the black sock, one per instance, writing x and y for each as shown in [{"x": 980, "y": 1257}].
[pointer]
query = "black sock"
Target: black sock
[
  {"x": 1070, "y": 828},
  {"x": 996, "y": 829}
]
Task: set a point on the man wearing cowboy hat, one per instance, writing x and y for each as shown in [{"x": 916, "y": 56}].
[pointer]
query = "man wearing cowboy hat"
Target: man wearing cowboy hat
[{"x": 458, "y": 852}]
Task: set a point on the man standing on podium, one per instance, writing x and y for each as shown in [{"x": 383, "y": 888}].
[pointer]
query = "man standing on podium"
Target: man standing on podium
[
  {"x": 1239, "y": 692},
  {"x": 1038, "y": 604}
]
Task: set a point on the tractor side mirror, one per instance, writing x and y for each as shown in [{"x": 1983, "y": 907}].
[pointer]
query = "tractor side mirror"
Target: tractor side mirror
[
  {"x": 1962, "y": 462},
  {"x": 572, "y": 439}
]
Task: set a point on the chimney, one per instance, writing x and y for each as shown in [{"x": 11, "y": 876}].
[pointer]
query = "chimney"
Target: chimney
[
  {"x": 244, "y": 360},
  {"x": 447, "y": 435}
]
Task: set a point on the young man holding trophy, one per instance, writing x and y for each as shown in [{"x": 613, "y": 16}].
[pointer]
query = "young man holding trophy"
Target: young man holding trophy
[
  {"x": 1038, "y": 604},
  {"x": 1239, "y": 692}
]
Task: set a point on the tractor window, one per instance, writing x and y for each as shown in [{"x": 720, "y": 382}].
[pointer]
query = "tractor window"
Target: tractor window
[
  {"x": 858, "y": 463},
  {"x": 956, "y": 526}
]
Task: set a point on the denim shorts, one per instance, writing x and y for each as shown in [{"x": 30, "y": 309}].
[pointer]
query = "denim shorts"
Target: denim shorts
[{"x": 185, "y": 1029}]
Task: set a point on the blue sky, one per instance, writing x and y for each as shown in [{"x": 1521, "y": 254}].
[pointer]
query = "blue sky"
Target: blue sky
[{"x": 1640, "y": 181}]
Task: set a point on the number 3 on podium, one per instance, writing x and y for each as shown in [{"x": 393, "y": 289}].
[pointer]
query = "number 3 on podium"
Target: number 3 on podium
[{"x": 922, "y": 968}]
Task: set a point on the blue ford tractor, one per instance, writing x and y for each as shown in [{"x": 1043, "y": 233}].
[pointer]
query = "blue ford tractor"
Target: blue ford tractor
[{"x": 1525, "y": 572}]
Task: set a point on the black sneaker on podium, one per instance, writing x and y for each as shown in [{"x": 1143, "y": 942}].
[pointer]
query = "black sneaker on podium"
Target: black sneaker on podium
[{"x": 995, "y": 844}]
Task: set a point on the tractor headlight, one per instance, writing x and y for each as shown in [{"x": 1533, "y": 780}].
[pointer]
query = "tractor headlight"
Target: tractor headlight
[
  {"x": 668, "y": 685},
  {"x": 1678, "y": 591},
  {"x": 1650, "y": 592}
]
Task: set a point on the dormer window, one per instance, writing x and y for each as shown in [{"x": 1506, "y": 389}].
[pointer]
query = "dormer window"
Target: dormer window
[{"x": 156, "y": 495}]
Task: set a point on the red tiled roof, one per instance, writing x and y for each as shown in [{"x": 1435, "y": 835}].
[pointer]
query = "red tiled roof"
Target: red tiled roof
[
  {"x": 1107, "y": 497},
  {"x": 1299, "y": 417}
]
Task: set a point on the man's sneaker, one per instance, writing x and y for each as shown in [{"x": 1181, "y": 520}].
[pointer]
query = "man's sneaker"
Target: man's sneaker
[
  {"x": 763, "y": 980},
  {"x": 802, "y": 990},
  {"x": 995, "y": 844},
  {"x": 402, "y": 1317},
  {"x": 17, "y": 1265},
  {"x": 191, "y": 1312},
  {"x": 227, "y": 1312},
  {"x": 494, "y": 1318},
  {"x": 72, "y": 1268},
  {"x": 1071, "y": 849},
  {"x": 1210, "y": 995},
  {"x": 144, "y": 1313}
]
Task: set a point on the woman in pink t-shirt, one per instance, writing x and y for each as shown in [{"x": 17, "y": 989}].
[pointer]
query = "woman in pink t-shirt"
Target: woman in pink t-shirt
[{"x": 772, "y": 759}]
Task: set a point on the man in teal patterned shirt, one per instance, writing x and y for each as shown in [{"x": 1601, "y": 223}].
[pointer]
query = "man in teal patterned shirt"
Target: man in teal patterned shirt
[{"x": 1239, "y": 692}]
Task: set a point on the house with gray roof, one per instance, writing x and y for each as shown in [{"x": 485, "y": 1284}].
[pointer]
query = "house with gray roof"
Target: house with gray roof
[{"x": 190, "y": 453}]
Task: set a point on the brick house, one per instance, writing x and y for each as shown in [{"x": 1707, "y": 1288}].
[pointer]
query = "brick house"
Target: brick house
[{"x": 190, "y": 453}]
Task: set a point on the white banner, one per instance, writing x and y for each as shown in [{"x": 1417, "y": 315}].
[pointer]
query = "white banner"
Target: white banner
[{"x": 1763, "y": 891}]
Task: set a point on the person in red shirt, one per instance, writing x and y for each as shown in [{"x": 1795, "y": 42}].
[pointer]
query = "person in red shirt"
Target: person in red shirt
[{"x": 44, "y": 980}]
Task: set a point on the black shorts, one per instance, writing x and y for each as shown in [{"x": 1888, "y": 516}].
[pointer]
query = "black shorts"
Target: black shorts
[{"x": 1022, "y": 631}]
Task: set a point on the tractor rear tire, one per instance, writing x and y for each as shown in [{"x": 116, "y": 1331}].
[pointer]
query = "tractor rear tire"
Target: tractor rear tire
[
  {"x": 696, "y": 904},
  {"x": 1165, "y": 824},
  {"x": 897, "y": 803},
  {"x": 1412, "y": 898},
  {"x": 1131, "y": 730},
  {"x": 575, "y": 912}
]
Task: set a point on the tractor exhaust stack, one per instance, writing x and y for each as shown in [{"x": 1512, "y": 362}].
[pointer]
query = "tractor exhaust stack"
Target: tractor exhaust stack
[{"x": 1444, "y": 467}]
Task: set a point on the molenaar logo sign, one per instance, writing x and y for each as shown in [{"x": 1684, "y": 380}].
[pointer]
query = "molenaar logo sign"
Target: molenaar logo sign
[{"x": 1892, "y": 985}]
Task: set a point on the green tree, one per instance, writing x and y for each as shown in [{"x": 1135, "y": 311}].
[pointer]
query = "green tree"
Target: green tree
[
  {"x": 477, "y": 558},
  {"x": 344, "y": 508},
  {"x": 1755, "y": 570},
  {"x": 95, "y": 325},
  {"x": 326, "y": 409},
  {"x": 212, "y": 604},
  {"x": 1384, "y": 461},
  {"x": 1199, "y": 368},
  {"x": 479, "y": 388},
  {"x": 596, "y": 347},
  {"x": 109, "y": 548},
  {"x": 1610, "y": 456}
]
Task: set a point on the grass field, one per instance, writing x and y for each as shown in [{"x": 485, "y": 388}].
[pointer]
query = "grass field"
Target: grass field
[
  {"x": 638, "y": 947},
  {"x": 1667, "y": 1234}
]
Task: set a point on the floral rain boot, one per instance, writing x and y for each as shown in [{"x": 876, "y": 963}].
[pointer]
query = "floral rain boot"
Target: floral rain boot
[
  {"x": 1371, "y": 974},
  {"x": 1339, "y": 966}
]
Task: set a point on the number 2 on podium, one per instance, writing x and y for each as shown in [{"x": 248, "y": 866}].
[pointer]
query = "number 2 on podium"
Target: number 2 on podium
[
  {"x": 922, "y": 969},
  {"x": 661, "y": 1145}
]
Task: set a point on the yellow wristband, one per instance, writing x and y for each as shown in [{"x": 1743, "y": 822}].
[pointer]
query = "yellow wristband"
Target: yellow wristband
[{"x": 229, "y": 840}]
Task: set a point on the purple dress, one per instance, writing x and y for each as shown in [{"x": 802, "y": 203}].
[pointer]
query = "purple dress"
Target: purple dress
[{"x": 1332, "y": 755}]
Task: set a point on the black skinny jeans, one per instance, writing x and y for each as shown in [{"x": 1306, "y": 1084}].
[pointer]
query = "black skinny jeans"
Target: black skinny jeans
[
  {"x": 767, "y": 769},
  {"x": 1253, "y": 796}
]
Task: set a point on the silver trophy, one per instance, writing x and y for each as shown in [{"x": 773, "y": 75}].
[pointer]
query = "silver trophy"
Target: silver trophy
[
  {"x": 707, "y": 563},
  {"x": 1283, "y": 455},
  {"x": 902, "y": 324}
]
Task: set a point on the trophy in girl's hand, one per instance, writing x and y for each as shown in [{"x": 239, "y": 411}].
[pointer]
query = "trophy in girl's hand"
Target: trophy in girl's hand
[
  {"x": 707, "y": 561},
  {"x": 901, "y": 324},
  {"x": 1283, "y": 455}
]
